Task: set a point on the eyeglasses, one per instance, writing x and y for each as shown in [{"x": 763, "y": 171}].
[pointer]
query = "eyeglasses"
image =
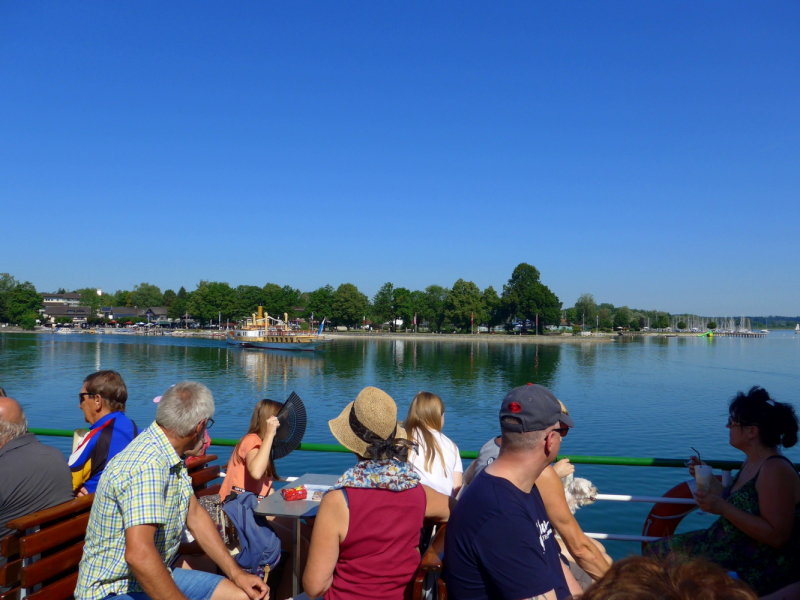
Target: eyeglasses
[
  {"x": 562, "y": 431},
  {"x": 209, "y": 423},
  {"x": 731, "y": 423},
  {"x": 81, "y": 396}
]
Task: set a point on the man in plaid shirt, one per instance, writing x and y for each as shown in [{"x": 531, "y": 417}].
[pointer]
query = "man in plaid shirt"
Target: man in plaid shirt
[{"x": 142, "y": 503}]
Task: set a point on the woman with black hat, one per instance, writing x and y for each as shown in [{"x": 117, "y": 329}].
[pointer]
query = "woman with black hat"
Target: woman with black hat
[{"x": 365, "y": 538}]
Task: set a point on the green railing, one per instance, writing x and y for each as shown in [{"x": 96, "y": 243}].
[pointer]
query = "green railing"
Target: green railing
[{"x": 625, "y": 461}]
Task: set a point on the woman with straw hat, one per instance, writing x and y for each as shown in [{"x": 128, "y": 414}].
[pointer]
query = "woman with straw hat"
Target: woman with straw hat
[{"x": 364, "y": 543}]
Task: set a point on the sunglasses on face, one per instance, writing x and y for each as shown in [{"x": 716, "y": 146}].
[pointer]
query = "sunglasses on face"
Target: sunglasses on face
[
  {"x": 731, "y": 423},
  {"x": 562, "y": 431},
  {"x": 81, "y": 396}
]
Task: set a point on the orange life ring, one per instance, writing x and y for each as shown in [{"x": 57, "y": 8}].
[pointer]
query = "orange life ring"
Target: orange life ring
[{"x": 663, "y": 519}]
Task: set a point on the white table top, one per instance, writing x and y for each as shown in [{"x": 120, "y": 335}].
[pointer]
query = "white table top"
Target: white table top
[{"x": 275, "y": 506}]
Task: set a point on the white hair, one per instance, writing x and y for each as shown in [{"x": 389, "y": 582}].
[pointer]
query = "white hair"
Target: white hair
[
  {"x": 10, "y": 429},
  {"x": 183, "y": 406}
]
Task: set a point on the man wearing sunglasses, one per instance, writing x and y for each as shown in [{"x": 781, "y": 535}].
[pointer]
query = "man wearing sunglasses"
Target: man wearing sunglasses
[
  {"x": 499, "y": 541},
  {"x": 102, "y": 400},
  {"x": 142, "y": 504}
]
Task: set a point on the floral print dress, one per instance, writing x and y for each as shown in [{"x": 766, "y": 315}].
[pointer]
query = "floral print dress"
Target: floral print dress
[{"x": 764, "y": 568}]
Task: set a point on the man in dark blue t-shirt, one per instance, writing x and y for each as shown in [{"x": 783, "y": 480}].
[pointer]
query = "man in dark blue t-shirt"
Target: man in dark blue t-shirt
[{"x": 499, "y": 543}]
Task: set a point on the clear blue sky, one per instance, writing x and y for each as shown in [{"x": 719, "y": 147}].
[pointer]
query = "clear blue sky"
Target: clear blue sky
[{"x": 648, "y": 153}]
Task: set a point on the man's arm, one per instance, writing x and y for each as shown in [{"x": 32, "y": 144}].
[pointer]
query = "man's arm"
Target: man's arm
[
  {"x": 147, "y": 565},
  {"x": 205, "y": 532},
  {"x": 582, "y": 549}
]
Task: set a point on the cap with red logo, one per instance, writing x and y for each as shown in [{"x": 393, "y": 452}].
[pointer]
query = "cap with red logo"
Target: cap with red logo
[{"x": 535, "y": 406}]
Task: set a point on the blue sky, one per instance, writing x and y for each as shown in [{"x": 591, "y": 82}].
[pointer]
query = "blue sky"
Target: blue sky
[{"x": 648, "y": 153}]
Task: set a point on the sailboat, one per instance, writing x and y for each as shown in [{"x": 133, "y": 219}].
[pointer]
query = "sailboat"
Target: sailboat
[{"x": 797, "y": 328}]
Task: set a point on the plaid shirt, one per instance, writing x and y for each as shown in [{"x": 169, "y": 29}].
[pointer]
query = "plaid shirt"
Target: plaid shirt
[{"x": 146, "y": 483}]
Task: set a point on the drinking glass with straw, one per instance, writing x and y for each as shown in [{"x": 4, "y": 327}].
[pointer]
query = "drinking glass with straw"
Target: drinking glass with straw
[{"x": 702, "y": 475}]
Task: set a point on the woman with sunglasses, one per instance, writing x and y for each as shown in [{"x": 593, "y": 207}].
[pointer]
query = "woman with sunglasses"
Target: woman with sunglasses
[{"x": 758, "y": 532}]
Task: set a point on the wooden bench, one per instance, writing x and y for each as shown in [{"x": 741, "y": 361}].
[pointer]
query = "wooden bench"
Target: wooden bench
[
  {"x": 203, "y": 473},
  {"x": 432, "y": 564},
  {"x": 44, "y": 551},
  {"x": 45, "y": 547}
]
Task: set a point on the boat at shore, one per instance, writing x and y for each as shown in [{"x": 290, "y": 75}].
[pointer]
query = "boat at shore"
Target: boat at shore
[
  {"x": 797, "y": 328},
  {"x": 269, "y": 333}
]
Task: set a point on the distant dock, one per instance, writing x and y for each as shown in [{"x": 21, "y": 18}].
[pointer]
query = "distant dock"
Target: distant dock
[{"x": 742, "y": 334}]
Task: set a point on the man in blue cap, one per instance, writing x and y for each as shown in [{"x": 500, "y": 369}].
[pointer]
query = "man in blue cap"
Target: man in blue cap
[{"x": 499, "y": 543}]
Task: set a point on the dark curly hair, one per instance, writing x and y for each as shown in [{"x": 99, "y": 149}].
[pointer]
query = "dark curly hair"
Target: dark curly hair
[{"x": 776, "y": 421}]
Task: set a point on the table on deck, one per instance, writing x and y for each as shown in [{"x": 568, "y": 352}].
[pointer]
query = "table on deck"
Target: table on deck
[{"x": 275, "y": 506}]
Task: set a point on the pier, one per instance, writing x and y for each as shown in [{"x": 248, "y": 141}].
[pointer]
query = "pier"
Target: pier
[{"x": 745, "y": 334}]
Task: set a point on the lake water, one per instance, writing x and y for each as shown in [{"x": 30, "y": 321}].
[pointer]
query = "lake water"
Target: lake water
[{"x": 648, "y": 397}]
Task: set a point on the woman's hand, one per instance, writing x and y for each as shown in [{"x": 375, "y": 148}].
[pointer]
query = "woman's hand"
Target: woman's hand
[
  {"x": 692, "y": 463},
  {"x": 564, "y": 468},
  {"x": 709, "y": 502},
  {"x": 271, "y": 427}
]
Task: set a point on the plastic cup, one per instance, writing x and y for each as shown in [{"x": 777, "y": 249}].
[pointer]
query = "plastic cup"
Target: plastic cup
[{"x": 703, "y": 475}]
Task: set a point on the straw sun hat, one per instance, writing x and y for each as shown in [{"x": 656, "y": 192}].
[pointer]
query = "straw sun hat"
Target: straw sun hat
[{"x": 376, "y": 411}]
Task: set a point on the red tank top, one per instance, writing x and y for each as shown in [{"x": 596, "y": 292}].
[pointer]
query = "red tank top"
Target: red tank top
[{"x": 379, "y": 556}]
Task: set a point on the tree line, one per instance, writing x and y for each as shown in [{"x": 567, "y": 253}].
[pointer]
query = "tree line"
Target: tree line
[
  {"x": 589, "y": 314},
  {"x": 523, "y": 298}
]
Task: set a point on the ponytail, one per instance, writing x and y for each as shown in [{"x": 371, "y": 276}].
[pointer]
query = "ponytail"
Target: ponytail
[{"x": 776, "y": 421}]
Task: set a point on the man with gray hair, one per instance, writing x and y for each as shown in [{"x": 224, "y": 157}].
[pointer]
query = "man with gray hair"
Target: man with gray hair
[
  {"x": 34, "y": 476},
  {"x": 141, "y": 506}
]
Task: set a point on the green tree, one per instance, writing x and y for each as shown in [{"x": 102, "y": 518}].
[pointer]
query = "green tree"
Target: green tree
[
  {"x": 63, "y": 320},
  {"x": 145, "y": 295},
  {"x": 404, "y": 305},
  {"x": 492, "y": 306},
  {"x": 622, "y": 318},
  {"x": 681, "y": 324},
  {"x": 122, "y": 298},
  {"x": 606, "y": 320},
  {"x": 210, "y": 299},
  {"x": 28, "y": 320},
  {"x": 662, "y": 321},
  {"x": 279, "y": 300},
  {"x": 169, "y": 297},
  {"x": 177, "y": 309},
  {"x": 586, "y": 310},
  {"x": 418, "y": 300},
  {"x": 464, "y": 301},
  {"x": 634, "y": 325},
  {"x": 383, "y": 308},
  {"x": 348, "y": 305},
  {"x": 320, "y": 303},
  {"x": 7, "y": 283},
  {"x": 90, "y": 298},
  {"x": 22, "y": 301},
  {"x": 432, "y": 310},
  {"x": 248, "y": 299},
  {"x": 711, "y": 324},
  {"x": 571, "y": 315},
  {"x": 525, "y": 296}
]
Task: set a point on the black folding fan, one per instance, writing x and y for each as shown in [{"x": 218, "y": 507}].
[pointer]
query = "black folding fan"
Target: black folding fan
[{"x": 292, "y": 428}]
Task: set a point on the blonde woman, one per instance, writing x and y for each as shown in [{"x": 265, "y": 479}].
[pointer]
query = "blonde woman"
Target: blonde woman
[
  {"x": 250, "y": 468},
  {"x": 436, "y": 458}
]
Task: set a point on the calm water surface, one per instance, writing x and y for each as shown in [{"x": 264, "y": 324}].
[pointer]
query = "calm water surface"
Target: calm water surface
[{"x": 641, "y": 397}]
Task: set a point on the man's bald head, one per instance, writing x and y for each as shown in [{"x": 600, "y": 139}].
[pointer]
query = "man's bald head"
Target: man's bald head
[{"x": 12, "y": 421}]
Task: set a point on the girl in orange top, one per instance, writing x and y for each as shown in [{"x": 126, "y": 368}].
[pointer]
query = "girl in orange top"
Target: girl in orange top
[{"x": 250, "y": 468}]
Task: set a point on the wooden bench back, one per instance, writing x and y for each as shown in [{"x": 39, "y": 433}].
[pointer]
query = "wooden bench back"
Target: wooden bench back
[
  {"x": 203, "y": 473},
  {"x": 45, "y": 548}
]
